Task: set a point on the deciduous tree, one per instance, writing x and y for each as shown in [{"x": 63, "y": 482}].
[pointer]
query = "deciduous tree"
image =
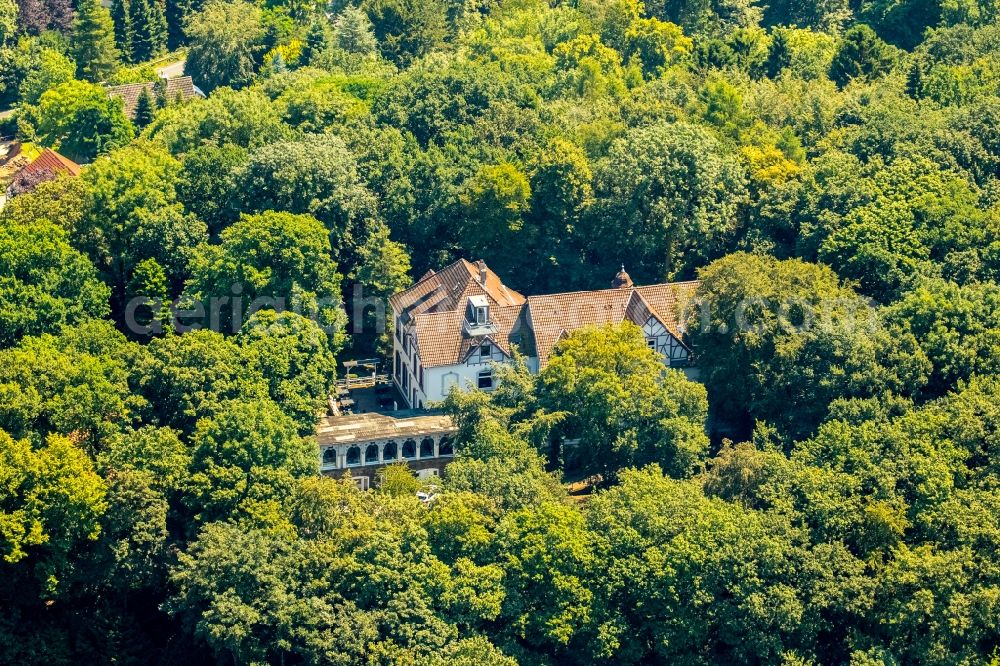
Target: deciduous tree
[
  {"x": 293, "y": 355},
  {"x": 244, "y": 460},
  {"x": 317, "y": 176},
  {"x": 52, "y": 69},
  {"x": 44, "y": 283},
  {"x": 74, "y": 384},
  {"x": 8, "y": 21},
  {"x": 788, "y": 333},
  {"x": 52, "y": 502},
  {"x": 672, "y": 196},
  {"x": 78, "y": 119},
  {"x": 280, "y": 258},
  {"x": 36, "y": 16},
  {"x": 622, "y": 404},
  {"x": 134, "y": 215},
  {"x": 226, "y": 40}
]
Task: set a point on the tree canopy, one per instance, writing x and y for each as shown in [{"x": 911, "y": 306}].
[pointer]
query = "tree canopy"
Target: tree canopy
[{"x": 817, "y": 484}]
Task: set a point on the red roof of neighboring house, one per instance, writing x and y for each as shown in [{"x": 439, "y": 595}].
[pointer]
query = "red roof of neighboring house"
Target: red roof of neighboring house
[
  {"x": 52, "y": 161},
  {"x": 46, "y": 166}
]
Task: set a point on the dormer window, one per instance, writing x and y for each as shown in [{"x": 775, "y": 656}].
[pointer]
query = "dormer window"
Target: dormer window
[
  {"x": 477, "y": 317},
  {"x": 479, "y": 311}
]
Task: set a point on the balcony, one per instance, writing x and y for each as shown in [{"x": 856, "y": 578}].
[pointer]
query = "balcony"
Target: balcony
[{"x": 474, "y": 330}]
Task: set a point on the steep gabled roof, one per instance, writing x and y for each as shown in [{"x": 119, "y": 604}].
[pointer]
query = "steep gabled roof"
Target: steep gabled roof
[
  {"x": 52, "y": 161},
  {"x": 638, "y": 310},
  {"x": 47, "y": 166},
  {"x": 550, "y": 315},
  {"x": 129, "y": 92},
  {"x": 448, "y": 288},
  {"x": 440, "y": 338},
  {"x": 669, "y": 302}
]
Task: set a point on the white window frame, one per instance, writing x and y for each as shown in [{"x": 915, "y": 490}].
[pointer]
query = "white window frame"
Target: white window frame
[{"x": 484, "y": 374}]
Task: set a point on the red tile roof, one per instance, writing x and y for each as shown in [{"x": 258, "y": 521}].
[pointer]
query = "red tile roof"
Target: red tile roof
[
  {"x": 440, "y": 339},
  {"x": 47, "y": 166},
  {"x": 52, "y": 161},
  {"x": 669, "y": 302},
  {"x": 552, "y": 315},
  {"x": 448, "y": 289}
]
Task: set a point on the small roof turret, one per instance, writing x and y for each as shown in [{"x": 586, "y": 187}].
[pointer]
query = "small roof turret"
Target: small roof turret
[{"x": 622, "y": 280}]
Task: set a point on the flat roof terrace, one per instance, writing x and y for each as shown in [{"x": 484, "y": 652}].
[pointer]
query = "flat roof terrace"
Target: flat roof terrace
[{"x": 373, "y": 426}]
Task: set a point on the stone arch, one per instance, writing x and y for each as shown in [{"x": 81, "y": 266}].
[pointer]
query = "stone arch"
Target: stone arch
[
  {"x": 354, "y": 455},
  {"x": 329, "y": 456},
  {"x": 371, "y": 454},
  {"x": 427, "y": 447},
  {"x": 410, "y": 449},
  {"x": 389, "y": 451}
]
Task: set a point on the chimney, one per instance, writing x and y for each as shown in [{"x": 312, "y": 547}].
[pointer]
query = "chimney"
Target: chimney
[{"x": 481, "y": 265}]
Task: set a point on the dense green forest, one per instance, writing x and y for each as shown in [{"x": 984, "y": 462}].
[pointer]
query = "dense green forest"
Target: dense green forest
[{"x": 828, "y": 494}]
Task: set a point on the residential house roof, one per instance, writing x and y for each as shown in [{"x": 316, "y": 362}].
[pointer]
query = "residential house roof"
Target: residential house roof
[
  {"x": 448, "y": 289},
  {"x": 668, "y": 302},
  {"x": 52, "y": 161},
  {"x": 181, "y": 86},
  {"x": 553, "y": 315},
  {"x": 436, "y": 308},
  {"x": 48, "y": 165},
  {"x": 440, "y": 338}
]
